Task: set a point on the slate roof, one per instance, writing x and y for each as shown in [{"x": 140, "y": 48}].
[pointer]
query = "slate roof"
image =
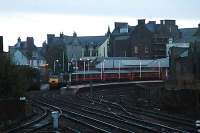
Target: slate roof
[
  {"x": 116, "y": 31},
  {"x": 122, "y": 37},
  {"x": 82, "y": 40},
  {"x": 92, "y": 40},
  {"x": 188, "y": 35},
  {"x": 134, "y": 63},
  {"x": 184, "y": 54},
  {"x": 178, "y": 51},
  {"x": 152, "y": 27},
  {"x": 163, "y": 62}
]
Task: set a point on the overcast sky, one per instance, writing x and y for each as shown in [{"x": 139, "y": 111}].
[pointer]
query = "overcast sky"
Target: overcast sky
[{"x": 87, "y": 17}]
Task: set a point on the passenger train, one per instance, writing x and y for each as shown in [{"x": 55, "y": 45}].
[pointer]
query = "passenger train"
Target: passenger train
[{"x": 110, "y": 75}]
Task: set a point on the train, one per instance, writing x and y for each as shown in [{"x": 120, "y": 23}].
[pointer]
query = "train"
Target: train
[
  {"x": 55, "y": 81},
  {"x": 111, "y": 75},
  {"x": 107, "y": 76}
]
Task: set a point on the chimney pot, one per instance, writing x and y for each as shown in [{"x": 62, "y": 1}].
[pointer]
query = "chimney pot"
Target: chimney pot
[{"x": 141, "y": 21}]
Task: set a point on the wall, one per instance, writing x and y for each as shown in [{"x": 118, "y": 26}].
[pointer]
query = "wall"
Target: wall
[
  {"x": 19, "y": 59},
  {"x": 103, "y": 49},
  {"x": 1, "y": 44}
]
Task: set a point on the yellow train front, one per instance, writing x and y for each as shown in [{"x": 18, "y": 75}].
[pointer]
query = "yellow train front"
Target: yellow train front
[{"x": 54, "y": 81}]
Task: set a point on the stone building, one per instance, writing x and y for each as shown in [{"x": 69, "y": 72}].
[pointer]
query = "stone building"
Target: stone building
[
  {"x": 182, "y": 89},
  {"x": 26, "y": 53},
  {"x": 185, "y": 59},
  {"x": 77, "y": 47},
  {"x": 145, "y": 40}
]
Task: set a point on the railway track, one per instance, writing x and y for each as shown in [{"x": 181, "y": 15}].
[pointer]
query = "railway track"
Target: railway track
[
  {"x": 171, "y": 120},
  {"x": 138, "y": 122},
  {"x": 110, "y": 115},
  {"x": 134, "y": 117},
  {"x": 133, "y": 122},
  {"x": 95, "y": 124},
  {"x": 162, "y": 116},
  {"x": 32, "y": 126},
  {"x": 96, "y": 114}
]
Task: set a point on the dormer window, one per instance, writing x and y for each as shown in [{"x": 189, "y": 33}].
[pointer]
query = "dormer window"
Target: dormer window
[{"x": 123, "y": 30}]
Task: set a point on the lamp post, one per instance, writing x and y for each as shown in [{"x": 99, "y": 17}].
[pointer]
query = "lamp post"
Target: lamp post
[
  {"x": 68, "y": 66},
  {"x": 76, "y": 70},
  {"x": 140, "y": 69},
  {"x": 63, "y": 59},
  {"x": 119, "y": 70},
  {"x": 101, "y": 71},
  {"x": 159, "y": 69},
  {"x": 54, "y": 65},
  {"x": 103, "y": 65},
  {"x": 84, "y": 69},
  {"x": 88, "y": 64}
]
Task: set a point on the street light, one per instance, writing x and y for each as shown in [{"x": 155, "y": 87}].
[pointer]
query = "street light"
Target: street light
[
  {"x": 84, "y": 68},
  {"x": 88, "y": 64},
  {"x": 54, "y": 65},
  {"x": 119, "y": 69}
]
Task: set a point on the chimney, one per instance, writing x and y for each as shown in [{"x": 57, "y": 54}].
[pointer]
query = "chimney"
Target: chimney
[
  {"x": 30, "y": 40},
  {"x": 50, "y": 38},
  {"x": 141, "y": 21},
  {"x": 152, "y": 22},
  {"x": 1, "y": 44},
  {"x": 74, "y": 34},
  {"x": 19, "y": 40},
  {"x": 168, "y": 22},
  {"x": 162, "y": 22},
  {"x": 61, "y": 34}
]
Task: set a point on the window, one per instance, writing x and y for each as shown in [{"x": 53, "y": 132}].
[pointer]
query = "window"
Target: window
[
  {"x": 146, "y": 50},
  {"x": 136, "y": 49}
]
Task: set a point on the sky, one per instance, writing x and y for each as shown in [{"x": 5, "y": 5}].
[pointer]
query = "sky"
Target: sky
[{"x": 37, "y": 18}]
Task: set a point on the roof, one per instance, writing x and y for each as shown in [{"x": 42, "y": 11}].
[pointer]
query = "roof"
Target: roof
[
  {"x": 116, "y": 31},
  {"x": 81, "y": 40},
  {"x": 122, "y": 37},
  {"x": 187, "y": 35},
  {"x": 134, "y": 63},
  {"x": 177, "y": 51},
  {"x": 152, "y": 27},
  {"x": 184, "y": 54},
  {"x": 92, "y": 40},
  {"x": 163, "y": 62}
]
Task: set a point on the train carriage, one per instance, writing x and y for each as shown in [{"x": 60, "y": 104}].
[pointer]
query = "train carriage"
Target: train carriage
[{"x": 111, "y": 75}]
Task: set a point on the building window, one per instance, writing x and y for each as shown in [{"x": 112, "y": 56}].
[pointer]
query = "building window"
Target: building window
[
  {"x": 136, "y": 49},
  {"x": 146, "y": 50}
]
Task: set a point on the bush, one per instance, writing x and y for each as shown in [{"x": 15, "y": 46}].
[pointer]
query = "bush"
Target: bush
[{"x": 15, "y": 80}]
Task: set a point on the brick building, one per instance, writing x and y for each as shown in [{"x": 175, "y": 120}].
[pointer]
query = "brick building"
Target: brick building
[
  {"x": 77, "y": 47},
  {"x": 145, "y": 40}
]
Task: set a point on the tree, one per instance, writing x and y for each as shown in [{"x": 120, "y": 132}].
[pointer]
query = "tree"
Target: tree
[
  {"x": 15, "y": 80},
  {"x": 53, "y": 53}
]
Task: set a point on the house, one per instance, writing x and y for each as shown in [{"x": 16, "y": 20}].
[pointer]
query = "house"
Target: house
[
  {"x": 26, "y": 53},
  {"x": 175, "y": 44},
  {"x": 145, "y": 40},
  {"x": 184, "y": 67},
  {"x": 78, "y": 47},
  {"x": 103, "y": 48},
  {"x": 184, "y": 56}
]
